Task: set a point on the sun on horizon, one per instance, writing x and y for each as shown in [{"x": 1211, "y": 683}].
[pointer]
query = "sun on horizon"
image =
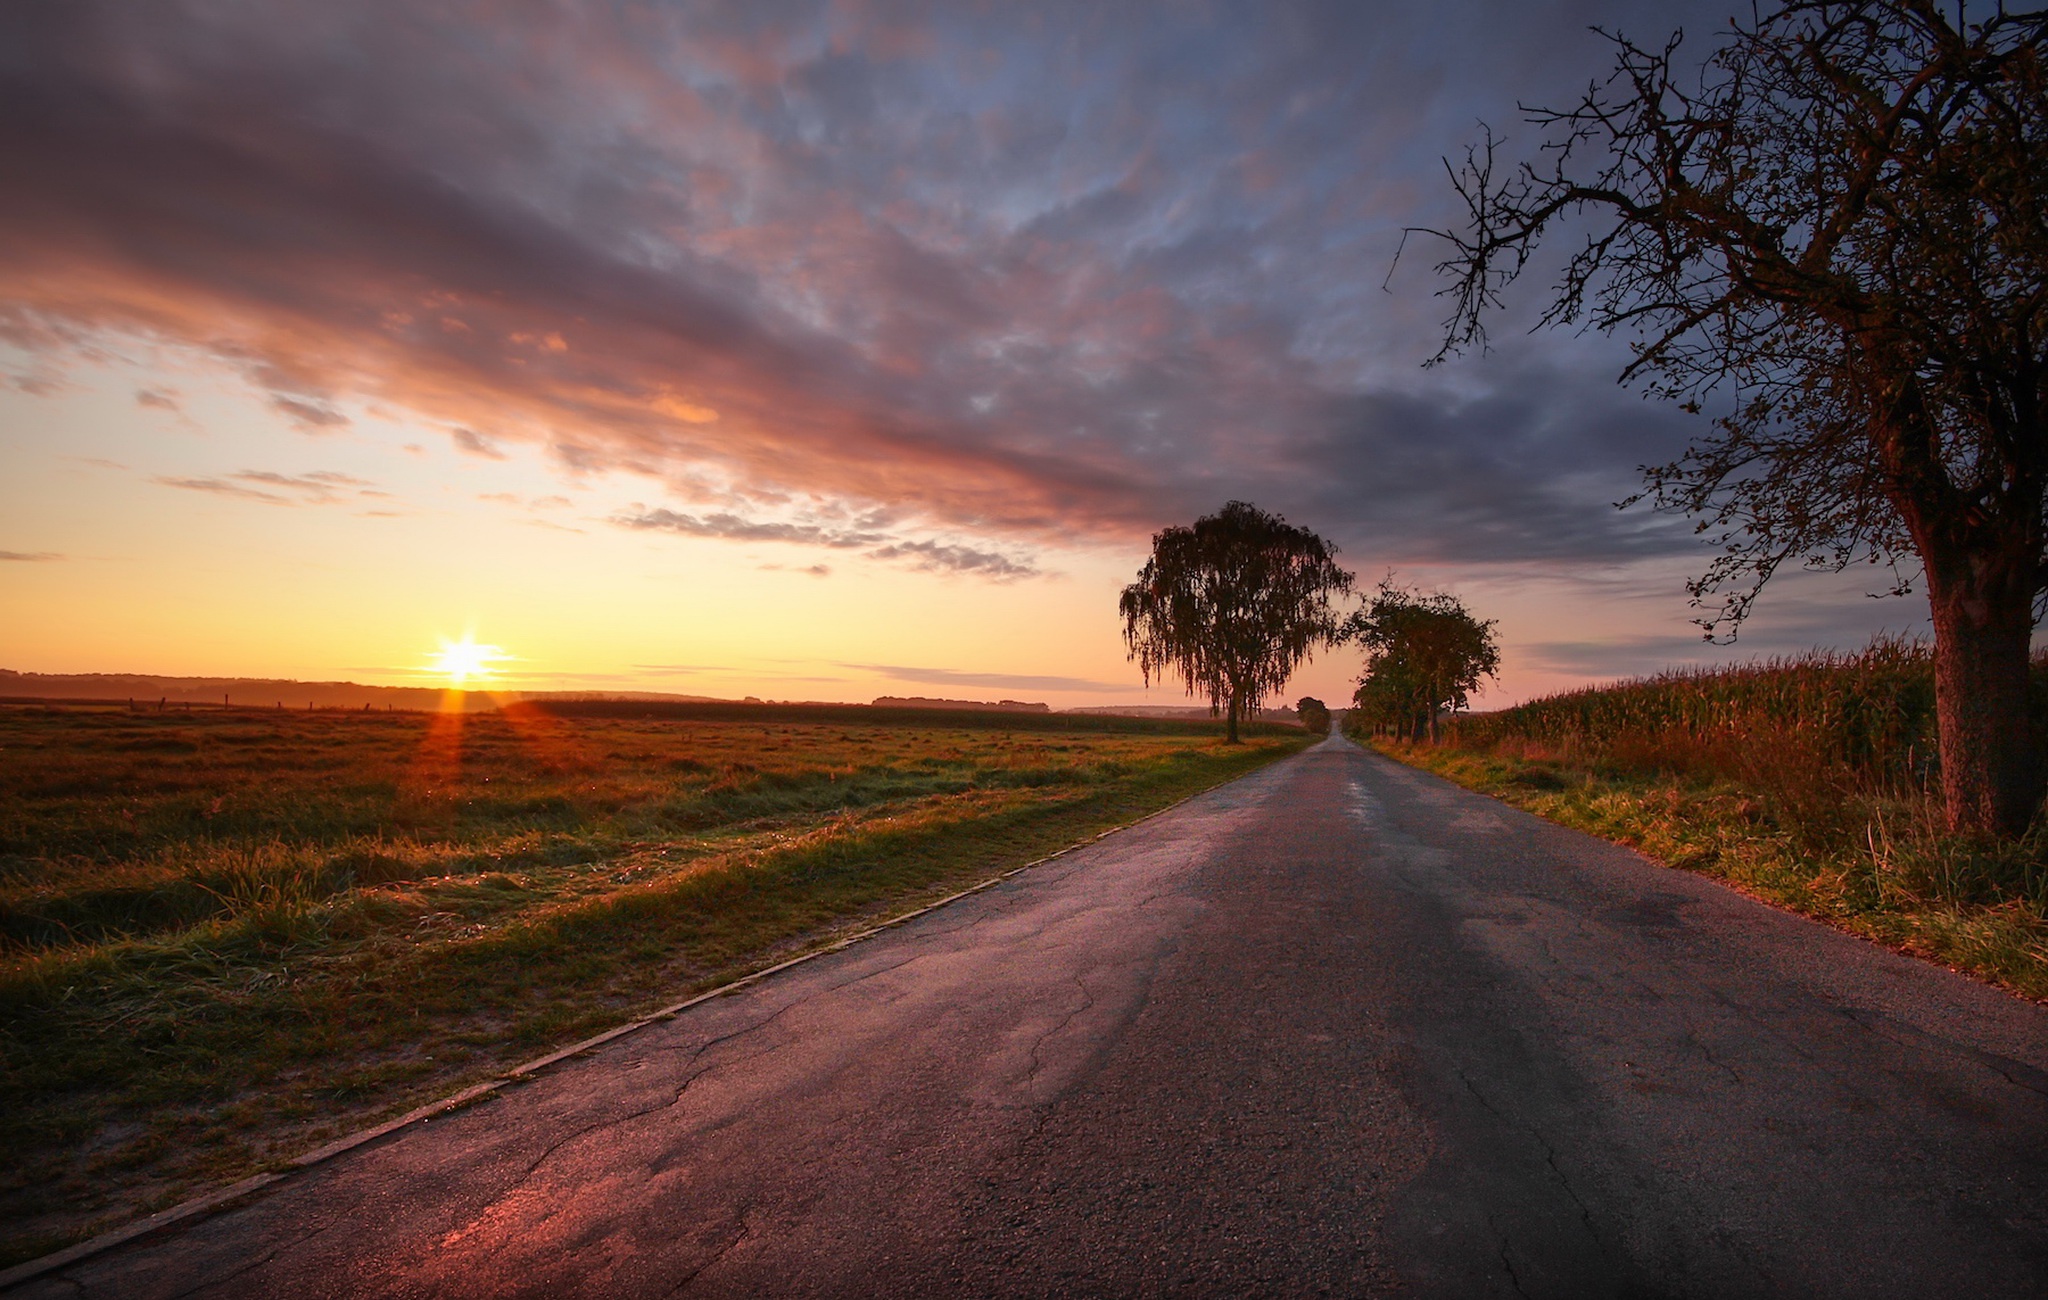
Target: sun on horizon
[{"x": 465, "y": 661}]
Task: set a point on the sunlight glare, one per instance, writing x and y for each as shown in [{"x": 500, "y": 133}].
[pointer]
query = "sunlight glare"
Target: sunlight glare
[{"x": 464, "y": 660}]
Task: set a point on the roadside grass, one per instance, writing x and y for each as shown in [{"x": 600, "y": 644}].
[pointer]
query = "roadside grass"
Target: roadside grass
[
  {"x": 1806, "y": 782},
  {"x": 226, "y": 938}
]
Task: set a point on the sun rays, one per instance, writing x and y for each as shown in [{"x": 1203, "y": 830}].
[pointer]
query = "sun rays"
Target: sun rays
[{"x": 467, "y": 662}]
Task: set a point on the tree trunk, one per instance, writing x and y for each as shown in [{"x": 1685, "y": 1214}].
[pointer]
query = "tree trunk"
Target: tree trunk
[
  {"x": 1230, "y": 723},
  {"x": 1991, "y": 778}
]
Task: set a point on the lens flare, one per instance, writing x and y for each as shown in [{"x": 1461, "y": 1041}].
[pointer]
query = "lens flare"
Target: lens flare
[{"x": 465, "y": 661}]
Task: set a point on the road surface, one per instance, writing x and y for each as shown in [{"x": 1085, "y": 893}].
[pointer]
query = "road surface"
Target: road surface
[{"x": 1336, "y": 1028}]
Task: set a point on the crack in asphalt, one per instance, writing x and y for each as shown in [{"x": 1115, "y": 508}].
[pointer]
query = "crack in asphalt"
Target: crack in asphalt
[
  {"x": 609, "y": 1122},
  {"x": 1088, "y": 1001},
  {"x": 1827, "y": 1066},
  {"x": 745, "y": 1230},
  {"x": 1914, "y": 1038},
  {"x": 1042, "y": 1112},
  {"x": 696, "y": 1054},
  {"x": 801, "y": 999},
  {"x": 280, "y": 1248},
  {"x": 995, "y": 902},
  {"x": 1549, "y": 1158},
  {"x": 1692, "y": 1037},
  {"x": 1507, "y": 1262}
]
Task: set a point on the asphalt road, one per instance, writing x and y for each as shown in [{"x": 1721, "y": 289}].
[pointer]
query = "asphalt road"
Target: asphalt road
[{"x": 1337, "y": 1028}]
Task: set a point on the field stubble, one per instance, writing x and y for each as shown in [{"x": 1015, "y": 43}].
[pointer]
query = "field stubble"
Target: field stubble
[
  {"x": 227, "y": 937},
  {"x": 1809, "y": 782}
]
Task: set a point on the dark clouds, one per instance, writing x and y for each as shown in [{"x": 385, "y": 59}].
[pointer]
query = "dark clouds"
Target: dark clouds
[
  {"x": 735, "y": 529},
  {"x": 940, "y": 557},
  {"x": 1037, "y": 273},
  {"x": 923, "y": 554}
]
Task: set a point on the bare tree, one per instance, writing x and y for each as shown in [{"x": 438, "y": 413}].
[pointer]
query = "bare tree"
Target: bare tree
[
  {"x": 1836, "y": 232},
  {"x": 1232, "y": 603}
]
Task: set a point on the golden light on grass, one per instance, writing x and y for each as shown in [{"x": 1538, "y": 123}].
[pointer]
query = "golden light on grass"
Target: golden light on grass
[
  {"x": 529, "y": 877},
  {"x": 465, "y": 662}
]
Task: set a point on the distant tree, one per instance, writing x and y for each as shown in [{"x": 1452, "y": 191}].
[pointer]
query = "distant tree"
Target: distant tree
[
  {"x": 1232, "y": 603},
  {"x": 1842, "y": 224},
  {"x": 1386, "y": 703},
  {"x": 1425, "y": 655},
  {"x": 1314, "y": 714}
]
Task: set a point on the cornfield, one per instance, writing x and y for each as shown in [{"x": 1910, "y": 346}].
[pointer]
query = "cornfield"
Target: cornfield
[
  {"x": 1832, "y": 754},
  {"x": 1864, "y": 717}
]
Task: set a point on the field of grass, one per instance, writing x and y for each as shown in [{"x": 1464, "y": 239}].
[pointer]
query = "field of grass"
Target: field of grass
[
  {"x": 1809, "y": 782},
  {"x": 228, "y": 936}
]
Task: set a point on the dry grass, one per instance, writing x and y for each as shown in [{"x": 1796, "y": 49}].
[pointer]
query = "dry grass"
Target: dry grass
[
  {"x": 1803, "y": 781},
  {"x": 226, "y": 937}
]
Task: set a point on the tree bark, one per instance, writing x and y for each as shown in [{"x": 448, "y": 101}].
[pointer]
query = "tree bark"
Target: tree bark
[
  {"x": 1230, "y": 723},
  {"x": 1982, "y": 553},
  {"x": 1991, "y": 777}
]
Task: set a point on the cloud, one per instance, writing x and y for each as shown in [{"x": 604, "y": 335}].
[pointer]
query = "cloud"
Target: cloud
[
  {"x": 314, "y": 417},
  {"x": 733, "y": 528},
  {"x": 854, "y": 255},
  {"x": 923, "y": 555},
  {"x": 937, "y": 557},
  {"x": 474, "y": 443},
  {"x": 29, "y": 557},
  {"x": 162, "y": 401},
  {"x": 320, "y": 487},
  {"x": 1003, "y": 681}
]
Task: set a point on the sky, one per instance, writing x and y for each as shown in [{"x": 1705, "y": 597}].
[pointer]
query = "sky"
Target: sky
[{"x": 790, "y": 349}]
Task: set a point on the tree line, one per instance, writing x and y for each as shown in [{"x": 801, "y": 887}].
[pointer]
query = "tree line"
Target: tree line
[{"x": 1236, "y": 601}]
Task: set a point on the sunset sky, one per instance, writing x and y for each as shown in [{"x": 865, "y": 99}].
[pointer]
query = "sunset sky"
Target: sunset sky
[{"x": 801, "y": 350}]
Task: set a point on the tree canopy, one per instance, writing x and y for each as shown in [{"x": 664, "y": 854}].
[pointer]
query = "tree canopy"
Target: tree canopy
[
  {"x": 1314, "y": 714},
  {"x": 1425, "y": 655},
  {"x": 1233, "y": 604},
  {"x": 1835, "y": 232}
]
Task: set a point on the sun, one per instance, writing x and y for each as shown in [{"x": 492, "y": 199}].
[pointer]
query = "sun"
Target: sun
[{"x": 464, "y": 661}]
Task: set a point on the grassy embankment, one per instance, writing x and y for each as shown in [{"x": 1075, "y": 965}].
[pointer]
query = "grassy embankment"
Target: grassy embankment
[
  {"x": 226, "y": 937},
  {"x": 1809, "y": 782}
]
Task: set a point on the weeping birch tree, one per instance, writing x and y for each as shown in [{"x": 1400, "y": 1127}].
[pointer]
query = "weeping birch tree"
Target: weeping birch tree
[{"x": 1232, "y": 604}]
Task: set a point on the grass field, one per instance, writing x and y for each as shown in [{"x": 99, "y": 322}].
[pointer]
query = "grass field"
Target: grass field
[
  {"x": 1809, "y": 782},
  {"x": 228, "y": 936}
]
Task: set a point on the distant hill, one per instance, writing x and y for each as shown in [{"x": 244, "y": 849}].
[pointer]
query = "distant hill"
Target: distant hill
[
  {"x": 270, "y": 692},
  {"x": 979, "y": 706}
]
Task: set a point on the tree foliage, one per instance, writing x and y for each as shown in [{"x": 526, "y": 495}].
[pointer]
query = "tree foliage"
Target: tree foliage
[
  {"x": 1232, "y": 604},
  {"x": 1425, "y": 655},
  {"x": 1314, "y": 714},
  {"x": 1837, "y": 233}
]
